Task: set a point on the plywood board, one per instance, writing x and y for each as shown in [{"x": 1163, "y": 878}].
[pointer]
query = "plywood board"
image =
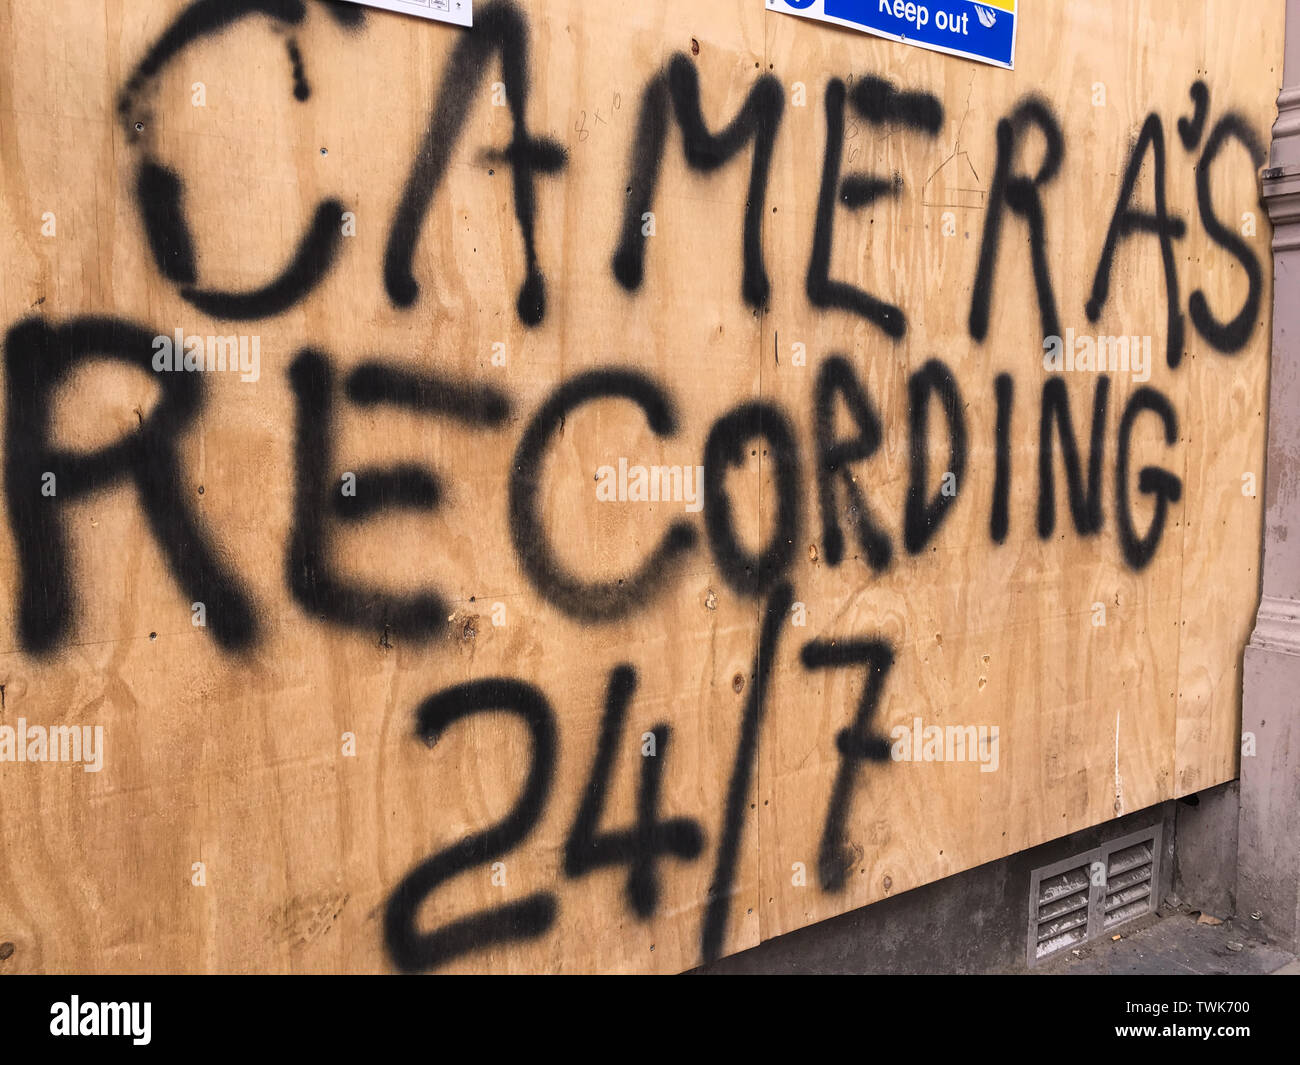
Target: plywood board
[{"x": 388, "y": 671}]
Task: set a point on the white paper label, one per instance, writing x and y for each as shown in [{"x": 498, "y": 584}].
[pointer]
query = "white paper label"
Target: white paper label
[{"x": 460, "y": 12}]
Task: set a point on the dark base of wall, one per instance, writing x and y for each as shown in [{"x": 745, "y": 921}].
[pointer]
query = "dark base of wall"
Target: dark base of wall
[
  {"x": 1205, "y": 849},
  {"x": 977, "y": 921}
]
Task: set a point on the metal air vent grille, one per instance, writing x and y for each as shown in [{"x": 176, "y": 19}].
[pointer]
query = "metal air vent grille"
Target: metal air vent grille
[{"x": 1080, "y": 898}]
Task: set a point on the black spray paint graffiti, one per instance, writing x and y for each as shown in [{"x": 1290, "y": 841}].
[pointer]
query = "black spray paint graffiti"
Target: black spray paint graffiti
[
  {"x": 498, "y": 28},
  {"x": 640, "y": 847},
  {"x": 1020, "y": 193},
  {"x": 589, "y": 600},
  {"x": 748, "y": 573},
  {"x": 38, "y": 356},
  {"x": 836, "y": 379},
  {"x": 1152, "y": 480},
  {"x": 923, "y": 517},
  {"x": 41, "y": 479},
  {"x": 413, "y": 950},
  {"x": 1085, "y": 506},
  {"x": 1127, "y": 222},
  {"x": 160, "y": 192},
  {"x": 758, "y": 121},
  {"x": 880, "y": 103},
  {"x": 1226, "y": 337},
  {"x": 775, "y": 611},
  {"x": 1004, "y": 392},
  {"x": 587, "y": 849},
  {"x": 310, "y": 576},
  {"x": 856, "y": 744},
  {"x": 502, "y": 32}
]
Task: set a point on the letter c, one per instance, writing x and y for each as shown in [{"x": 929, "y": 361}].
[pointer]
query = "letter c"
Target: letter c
[{"x": 588, "y": 600}]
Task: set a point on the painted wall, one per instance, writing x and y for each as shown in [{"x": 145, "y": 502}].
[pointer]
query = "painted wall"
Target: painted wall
[{"x": 646, "y": 513}]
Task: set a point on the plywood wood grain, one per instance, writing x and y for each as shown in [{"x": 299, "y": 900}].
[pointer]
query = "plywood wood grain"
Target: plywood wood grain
[{"x": 266, "y": 799}]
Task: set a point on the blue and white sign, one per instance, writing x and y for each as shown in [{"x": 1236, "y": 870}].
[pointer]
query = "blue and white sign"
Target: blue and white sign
[{"x": 984, "y": 30}]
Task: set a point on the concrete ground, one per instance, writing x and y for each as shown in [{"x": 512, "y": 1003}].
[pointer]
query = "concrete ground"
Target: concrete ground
[{"x": 1175, "y": 943}]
